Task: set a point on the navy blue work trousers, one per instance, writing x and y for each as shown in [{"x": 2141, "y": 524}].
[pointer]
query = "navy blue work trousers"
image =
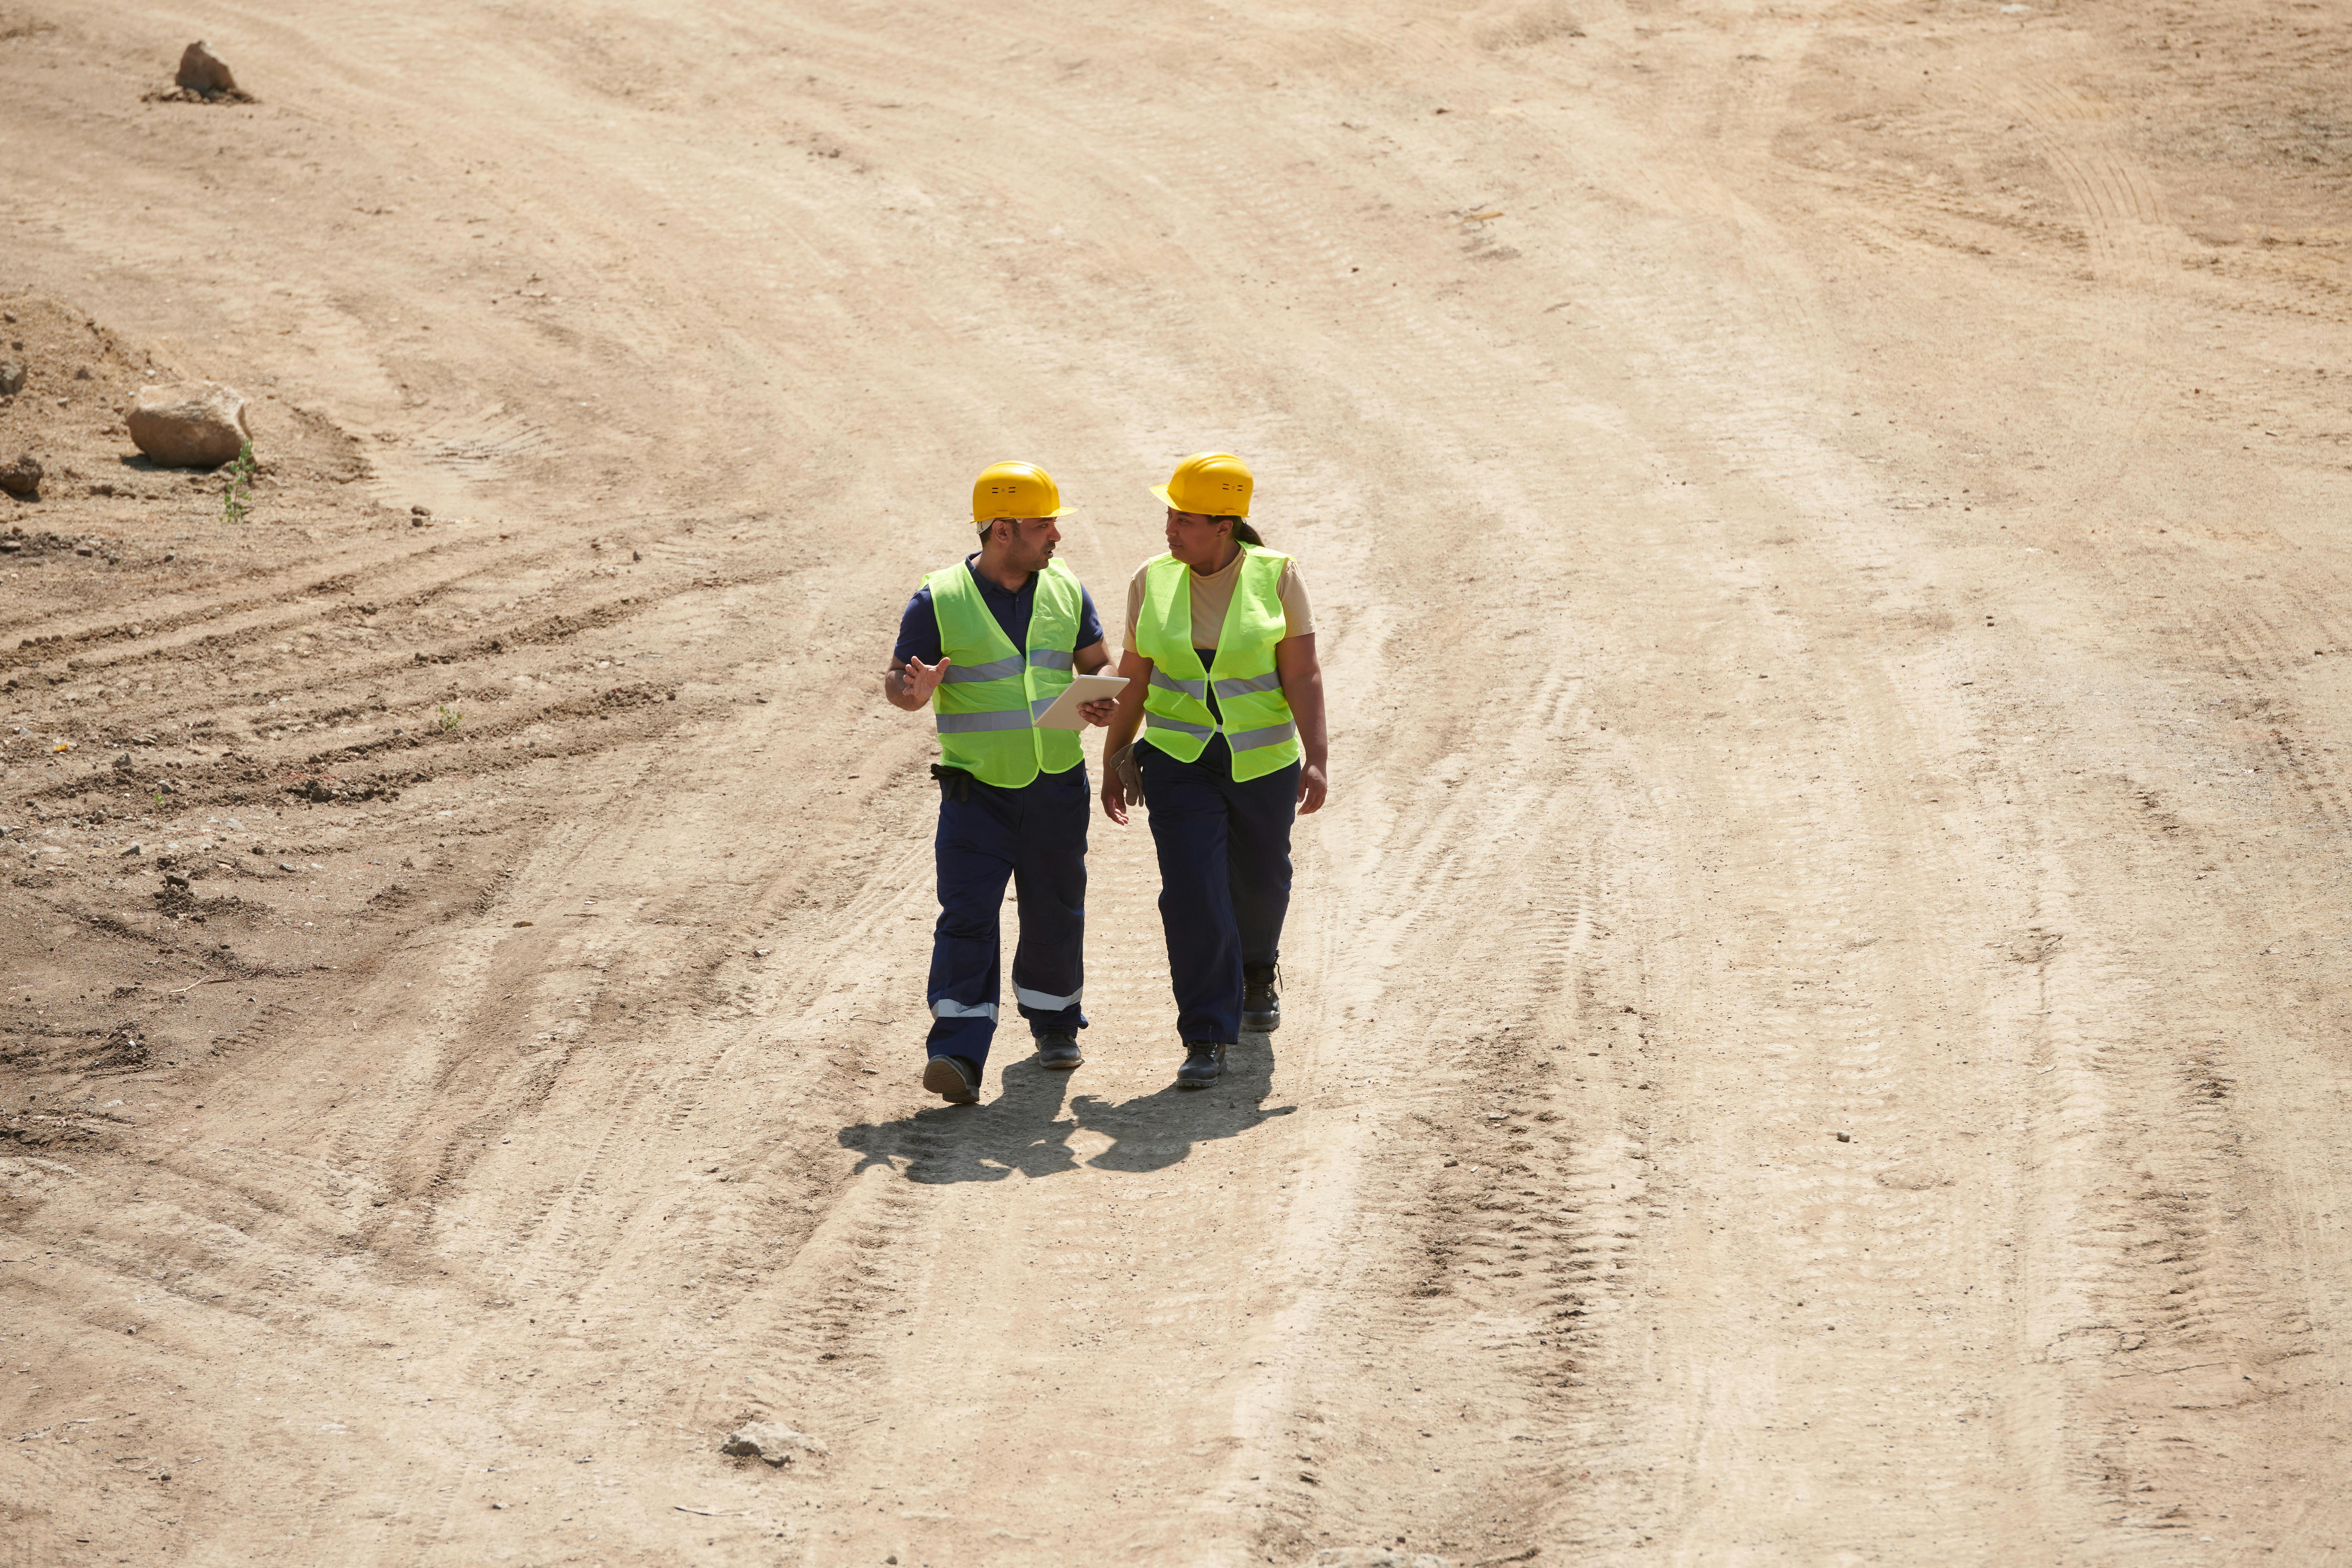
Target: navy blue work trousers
[
  {"x": 1036, "y": 836},
  {"x": 1225, "y": 878}
]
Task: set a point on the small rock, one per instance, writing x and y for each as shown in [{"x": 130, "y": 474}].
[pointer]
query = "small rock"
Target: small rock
[
  {"x": 12, "y": 377},
  {"x": 201, "y": 71},
  {"x": 189, "y": 424},
  {"x": 772, "y": 1441},
  {"x": 123, "y": 763},
  {"x": 285, "y": 866},
  {"x": 22, "y": 477},
  {"x": 135, "y": 850}
]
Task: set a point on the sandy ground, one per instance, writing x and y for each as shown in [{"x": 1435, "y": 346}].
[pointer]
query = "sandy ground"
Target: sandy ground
[{"x": 1816, "y": 1014}]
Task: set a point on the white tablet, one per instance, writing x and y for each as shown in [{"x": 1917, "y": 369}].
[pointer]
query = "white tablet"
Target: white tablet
[{"x": 1064, "y": 715}]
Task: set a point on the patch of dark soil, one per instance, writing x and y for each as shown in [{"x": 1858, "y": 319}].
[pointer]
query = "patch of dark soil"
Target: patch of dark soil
[
  {"x": 124, "y": 1046},
  {"x": 319, "y": 791}
]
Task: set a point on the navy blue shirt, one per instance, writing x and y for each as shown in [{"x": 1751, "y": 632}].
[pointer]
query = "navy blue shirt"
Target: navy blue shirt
[{"x": 919, "y": 628}]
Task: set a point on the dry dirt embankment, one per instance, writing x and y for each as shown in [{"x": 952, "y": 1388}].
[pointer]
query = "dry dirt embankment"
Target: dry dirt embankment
[{"x": 1815, "y": 1014}]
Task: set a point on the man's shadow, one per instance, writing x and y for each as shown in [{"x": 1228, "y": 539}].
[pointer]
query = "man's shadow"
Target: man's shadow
[{"x": 1023, "y": 1128}]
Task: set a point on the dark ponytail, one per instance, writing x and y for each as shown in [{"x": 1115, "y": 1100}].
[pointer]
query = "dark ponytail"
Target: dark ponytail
[{"x": 1243, "y": 533}]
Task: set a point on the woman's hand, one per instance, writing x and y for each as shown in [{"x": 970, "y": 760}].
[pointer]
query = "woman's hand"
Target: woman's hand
[
  {"x": 1302, "y": 688},
  {"x": 1312, "y": 787},
  {"x": 1126, "y": 717}
]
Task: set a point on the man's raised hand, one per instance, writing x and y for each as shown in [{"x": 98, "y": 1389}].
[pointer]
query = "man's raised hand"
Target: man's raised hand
[{"x": 922, "y": 679}]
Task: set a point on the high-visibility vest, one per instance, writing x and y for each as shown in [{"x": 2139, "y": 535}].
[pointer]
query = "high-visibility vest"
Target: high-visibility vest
[
  {"x": 987, "y": 706},
  {"x": 1257, "y": 725}
]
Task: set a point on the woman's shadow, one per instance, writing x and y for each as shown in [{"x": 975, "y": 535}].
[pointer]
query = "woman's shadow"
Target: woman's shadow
[{"x": 1025, "y": 1129}]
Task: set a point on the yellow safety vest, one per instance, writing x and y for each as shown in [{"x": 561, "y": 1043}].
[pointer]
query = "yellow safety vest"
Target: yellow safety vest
[
  {"x": 987, "y": 706},
  {"x": 1257, "y": 725}
]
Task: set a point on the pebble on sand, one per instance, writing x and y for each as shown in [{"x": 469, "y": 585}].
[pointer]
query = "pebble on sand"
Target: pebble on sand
[
  {"x": 771, "y": 1441},
  {"x": 12, "y": 377},
  {"x": 189, "y": 424},
  {"x": 201, "y": 71},
  {"x": 22, "y": 477}
]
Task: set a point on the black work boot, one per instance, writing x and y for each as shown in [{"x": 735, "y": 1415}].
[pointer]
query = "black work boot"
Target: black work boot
[
  {"x": 1204, "y": 1063},
  {"x": 1059, "y": 1052},
  {"x": 953, "y": 1079},
  {"x": 1261, "y": 1002}
]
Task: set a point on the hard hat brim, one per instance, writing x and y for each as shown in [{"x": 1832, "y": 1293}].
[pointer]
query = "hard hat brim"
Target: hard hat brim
[
  {"x": 1162, "y": 492},
  {"x": 1003, "y": 515}
]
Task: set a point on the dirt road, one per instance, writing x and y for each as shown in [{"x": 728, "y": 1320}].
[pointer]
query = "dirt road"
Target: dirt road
[{"x": 1816, "y": 1013}]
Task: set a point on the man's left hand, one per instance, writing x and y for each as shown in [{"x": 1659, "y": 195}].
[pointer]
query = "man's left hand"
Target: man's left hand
[{"x": 1099, "y": 713}]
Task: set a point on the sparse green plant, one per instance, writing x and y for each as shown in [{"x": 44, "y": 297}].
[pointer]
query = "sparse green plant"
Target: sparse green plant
[
  {"x": 450, "y": 718},
  {"x": 237, "y": 500}
]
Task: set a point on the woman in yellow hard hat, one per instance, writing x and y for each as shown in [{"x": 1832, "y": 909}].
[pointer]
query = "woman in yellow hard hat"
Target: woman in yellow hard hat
[{"x": 1222, "y": 672}]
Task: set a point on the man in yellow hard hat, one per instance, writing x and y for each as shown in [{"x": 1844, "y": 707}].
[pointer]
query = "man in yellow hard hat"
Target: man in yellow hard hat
[
  {"x": 987, "y": 645},
  {"x": 1220, "y": 665}
]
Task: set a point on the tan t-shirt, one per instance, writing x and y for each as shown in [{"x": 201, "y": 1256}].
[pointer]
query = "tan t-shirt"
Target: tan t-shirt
[{"x": 1213, "y": 596}]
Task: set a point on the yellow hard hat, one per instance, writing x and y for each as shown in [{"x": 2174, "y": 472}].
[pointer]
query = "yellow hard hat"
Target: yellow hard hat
[
  {"x": 1214, "y": 484},
  {"x": 1014, "y": 489}
]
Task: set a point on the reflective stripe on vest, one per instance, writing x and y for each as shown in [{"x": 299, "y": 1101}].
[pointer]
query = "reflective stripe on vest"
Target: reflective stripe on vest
[
  {"x": 986, "y": 708},
  {"x": 994, "y": 670},
  {"x": 1198, "y": 690},
  {"x": 1256, "y": 723}
]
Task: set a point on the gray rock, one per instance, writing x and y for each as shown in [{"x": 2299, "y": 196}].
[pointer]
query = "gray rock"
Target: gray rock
[
  {"x": 203, "y": 72},
  {"x": 771, "y": 1441},
  {"x": 12, "y": 377},
  {"x": 189, "y": 424},
  {"x": 22, "y": 477}
]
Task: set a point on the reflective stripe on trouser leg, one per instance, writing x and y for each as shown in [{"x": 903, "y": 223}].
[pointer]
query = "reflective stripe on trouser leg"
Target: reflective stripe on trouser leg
[
  {"x": 1049, "y": 881},
  {"x": 975, "y": 860}
]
